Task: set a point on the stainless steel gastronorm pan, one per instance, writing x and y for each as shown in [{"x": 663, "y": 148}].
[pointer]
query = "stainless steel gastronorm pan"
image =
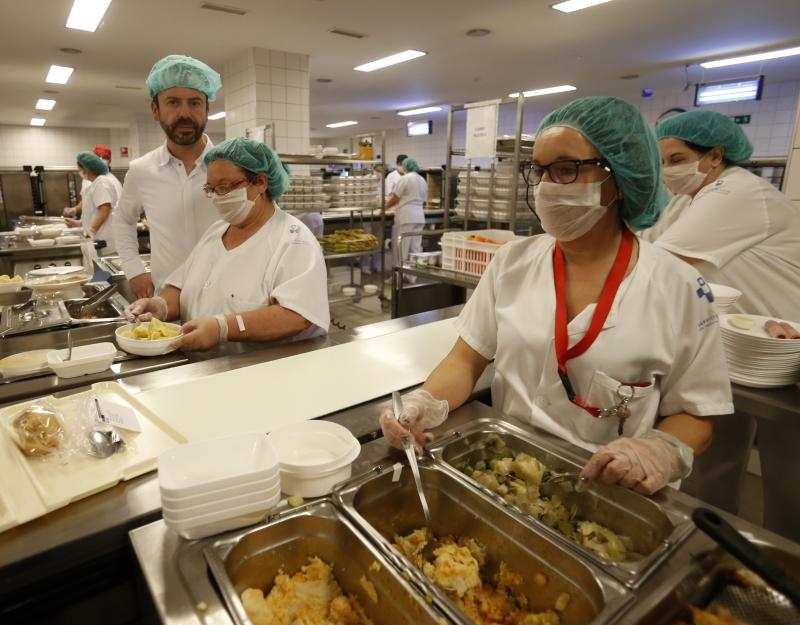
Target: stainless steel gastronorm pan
[
  {"x": 253, "y": 556},
  {"x": 383, "y": 508},
  {"x": 654, "y": 527}
]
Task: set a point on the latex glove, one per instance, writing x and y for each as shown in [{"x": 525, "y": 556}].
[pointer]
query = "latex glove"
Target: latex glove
[
  {"x": 142, "y": 286},
  {"x": 644, "y": 464},
  {"x": 147, "y": 308},
  {"x": 73, "y": 223},
  {"x": 69, "y": 211},
  {"x": 199, "y": 335},
  {"x": 421, "y": 411}
]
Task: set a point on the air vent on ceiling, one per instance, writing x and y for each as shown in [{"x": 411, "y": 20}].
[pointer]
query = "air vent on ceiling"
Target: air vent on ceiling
[
  {"x": 346, "y": 33},
  {"x": 210, "y": 6},
  {"x": 128, "y": 87}
]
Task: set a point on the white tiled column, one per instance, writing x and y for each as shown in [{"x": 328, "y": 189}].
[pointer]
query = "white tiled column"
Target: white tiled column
[
  {"x": 269, "y": 86},
  {"x": 145, "y": 135},
  {"x": 791, "y": 184}
]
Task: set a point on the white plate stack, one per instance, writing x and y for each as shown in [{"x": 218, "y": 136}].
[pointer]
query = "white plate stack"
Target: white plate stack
[
  {"x": 724, "y": 296},
  {"x": 314, "y": 456},
  {"x": 218, "y": 485},
  {"x": 756, "y": 359}
]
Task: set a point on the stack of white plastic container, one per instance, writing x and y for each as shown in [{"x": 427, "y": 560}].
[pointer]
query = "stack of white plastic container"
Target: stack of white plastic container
[
  {"x": 218, "y": 485},
  {"x": 480, "y": 191}
]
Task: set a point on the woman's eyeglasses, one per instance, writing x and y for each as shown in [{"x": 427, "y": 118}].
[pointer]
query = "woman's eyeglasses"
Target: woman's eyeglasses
[
  {"x": 222, "y": 189},
  {"x": 560, "y": 172}
]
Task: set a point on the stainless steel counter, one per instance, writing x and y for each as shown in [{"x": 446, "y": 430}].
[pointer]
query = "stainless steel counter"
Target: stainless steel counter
[{"x": 70, "y": 539}]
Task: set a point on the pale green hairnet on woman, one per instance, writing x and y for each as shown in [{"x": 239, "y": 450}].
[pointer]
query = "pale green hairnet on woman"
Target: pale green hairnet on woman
[
  {"x": 93, "y": 163},
  {"x": 708, "y": 129},
  {"x": 623, "y": 138},
  {"x": 177, "y": 70},
  {"x": 256, "y": 158},
  {"x": 410, "y": 164}
]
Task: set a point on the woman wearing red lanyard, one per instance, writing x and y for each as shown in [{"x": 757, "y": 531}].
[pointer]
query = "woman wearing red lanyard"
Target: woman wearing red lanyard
[{"x": 603, "y": 340}]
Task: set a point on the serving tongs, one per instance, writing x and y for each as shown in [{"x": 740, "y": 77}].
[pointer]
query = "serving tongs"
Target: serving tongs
[
  {"x": 91, "y": 304},
  {"x": 431, "y": 543}
]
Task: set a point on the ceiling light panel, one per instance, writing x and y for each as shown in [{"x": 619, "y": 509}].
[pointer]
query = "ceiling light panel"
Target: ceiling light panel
[
  {"x": 752, "y": 58},
  {"x": 570, "y": 6},
  {"x": 58, "y": 74},
  {"x": 341, "y": 124},
  {"x": 394, "y": 59},
  {"x": 546, "y": 91},
  {"x": 87, "y": 14},
  {"x": 421, "y": 111},
  {"x": 219, "y": 115},
  {"x": 45, "y": 105},
  {"x": 38, "y": 121}
]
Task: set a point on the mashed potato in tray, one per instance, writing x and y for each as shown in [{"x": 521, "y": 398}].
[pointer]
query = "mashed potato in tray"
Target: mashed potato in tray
[
  {"x": 6, "y": 279},
  {"x": 309, "y": 597},
  {"x": 457, "y": 570},
  {"x": 517, "y": 478},
  {"x": 154, "y": 330}
]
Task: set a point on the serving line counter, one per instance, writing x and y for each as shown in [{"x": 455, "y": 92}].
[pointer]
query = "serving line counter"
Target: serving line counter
[{"x": 80, "y": 553}]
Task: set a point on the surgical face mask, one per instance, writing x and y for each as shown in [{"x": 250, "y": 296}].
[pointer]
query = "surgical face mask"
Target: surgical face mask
[
  {"x": 83, "y": 175},
  {"x": 568, "y": 211},
  {"x": 233, "y": 207},
  {"x": 684, "y": 179}
]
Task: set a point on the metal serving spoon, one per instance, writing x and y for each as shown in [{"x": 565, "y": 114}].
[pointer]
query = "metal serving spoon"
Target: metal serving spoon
[{"x": 104, "y": 443}]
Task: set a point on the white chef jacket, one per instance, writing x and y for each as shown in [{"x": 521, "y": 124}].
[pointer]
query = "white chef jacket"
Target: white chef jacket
[
  {"x": 85, "y": 184},
  {"x": 412, "y": 189},
  {"x": 105, "y": 189},
  {"x": 661, "y": 334},
  {"x": 177, "y": 210},
  {"x": 746, "y": 234},
  {"x": 391, "y": 181},
  {"x": 282, "y": 264}
]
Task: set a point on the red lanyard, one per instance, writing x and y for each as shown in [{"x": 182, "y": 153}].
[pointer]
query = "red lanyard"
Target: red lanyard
[{"x": 610, "y": 288}]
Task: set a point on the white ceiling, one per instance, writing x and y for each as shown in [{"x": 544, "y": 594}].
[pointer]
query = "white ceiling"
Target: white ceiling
[{"x": 530, "y": 46}]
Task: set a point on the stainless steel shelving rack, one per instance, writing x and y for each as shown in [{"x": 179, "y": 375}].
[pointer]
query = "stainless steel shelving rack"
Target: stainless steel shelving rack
[{"x": 311, "y": 161}]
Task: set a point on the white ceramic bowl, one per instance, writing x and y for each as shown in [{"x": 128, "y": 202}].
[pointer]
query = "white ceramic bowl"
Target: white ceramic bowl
[
  {"x": 86, "y": 359},
  {"x": 231, "y": 519},
  {"x": 187, "y": 514},
  {"x": 196, "y": 468},
  {"x": 348, "y": 291},
  {"x": 210, "y": 496},
  {"x": 319, "y": 483},
  {"x": 312, "y": 446},
  {"x": 144, "y": 347},
  {"x": 370, "y": 289}
]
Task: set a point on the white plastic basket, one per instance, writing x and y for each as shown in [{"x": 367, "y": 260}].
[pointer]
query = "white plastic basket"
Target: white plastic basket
[{"x": 472, "y": 257}]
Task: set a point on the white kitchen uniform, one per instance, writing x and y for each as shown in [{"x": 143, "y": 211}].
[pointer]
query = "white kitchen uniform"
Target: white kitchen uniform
[
  {"x": 412, "y": 190},
  {"x": 177, "y": 210},
  {"x": 746, "y": 234},
  {"x": 661, "y": 336},
  {"x": 105, "y": 189},
  {"x": 280, "y": 264},
  {"x": 85, "y": 184},
  {"x": 391, "y": 181}
]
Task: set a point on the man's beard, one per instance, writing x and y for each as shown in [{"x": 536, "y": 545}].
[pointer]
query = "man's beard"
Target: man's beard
[{"x": 183, "y": 136}]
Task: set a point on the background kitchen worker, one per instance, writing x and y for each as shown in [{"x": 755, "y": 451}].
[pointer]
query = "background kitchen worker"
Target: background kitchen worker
[
  {"x": 167, "y": 182},
  {"x": 737, "y": 230},
  {"x": 393, "y": 176},
  {"x": 733, "y": 226},
  {"x": 258, "y": 273},
  {"x": 100, "y": 198},
  {"x": 407, "y": 199},
  {"x": 596, "y": 338},
  {"x": 74, "y": 212}
]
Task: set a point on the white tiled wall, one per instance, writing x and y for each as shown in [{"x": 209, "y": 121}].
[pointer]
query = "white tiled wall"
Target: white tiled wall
[{"x": 51, "y": 147}]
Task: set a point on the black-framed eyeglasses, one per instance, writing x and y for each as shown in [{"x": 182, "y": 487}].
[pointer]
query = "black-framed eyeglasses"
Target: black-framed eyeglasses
[
  {"x": 222, "y": 189},
  {"x": 561, "y": 172}
]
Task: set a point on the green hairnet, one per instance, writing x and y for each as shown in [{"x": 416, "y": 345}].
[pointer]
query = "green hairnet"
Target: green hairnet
[
  {"x": 177, "y": 70},
  {"x": 621, "y": 135},
  {"x": 93, "y": 163},
  {"x": 256, "y": 158},
  {"x": 708, "y": 129},
  {"x": 411, "y": 164}
]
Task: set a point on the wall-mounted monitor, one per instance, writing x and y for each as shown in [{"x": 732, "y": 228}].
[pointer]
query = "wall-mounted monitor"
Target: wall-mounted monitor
[
  {"x": 417, "y": 129},
  {"x": 738, "y": 90}
]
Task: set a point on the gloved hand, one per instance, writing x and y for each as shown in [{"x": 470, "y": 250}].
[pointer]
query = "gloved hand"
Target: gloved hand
[
  {"x": 199, "y": 335},
  {"x": 142, "y": 286},
  {"x": 421, "y": 411},
  {"x": 645, "y": 464},
  {"x": 147, "y": 308},
  {"x": 90, "y": 233},
  {"x": 73, "y": 223}
]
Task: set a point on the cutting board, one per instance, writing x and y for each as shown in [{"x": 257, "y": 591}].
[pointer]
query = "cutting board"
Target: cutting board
[
  {"x": 32, "y": 487},
  {"x": 273, "y": 394}
]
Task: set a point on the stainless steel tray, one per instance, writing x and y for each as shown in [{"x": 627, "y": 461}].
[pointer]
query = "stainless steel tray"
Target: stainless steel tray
[
  {"x": 710, "y": 583},
  {"x": 253, "y": 556},
  {"x": 654, "y": 527},
  {"x": 383, "y": 507}
]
